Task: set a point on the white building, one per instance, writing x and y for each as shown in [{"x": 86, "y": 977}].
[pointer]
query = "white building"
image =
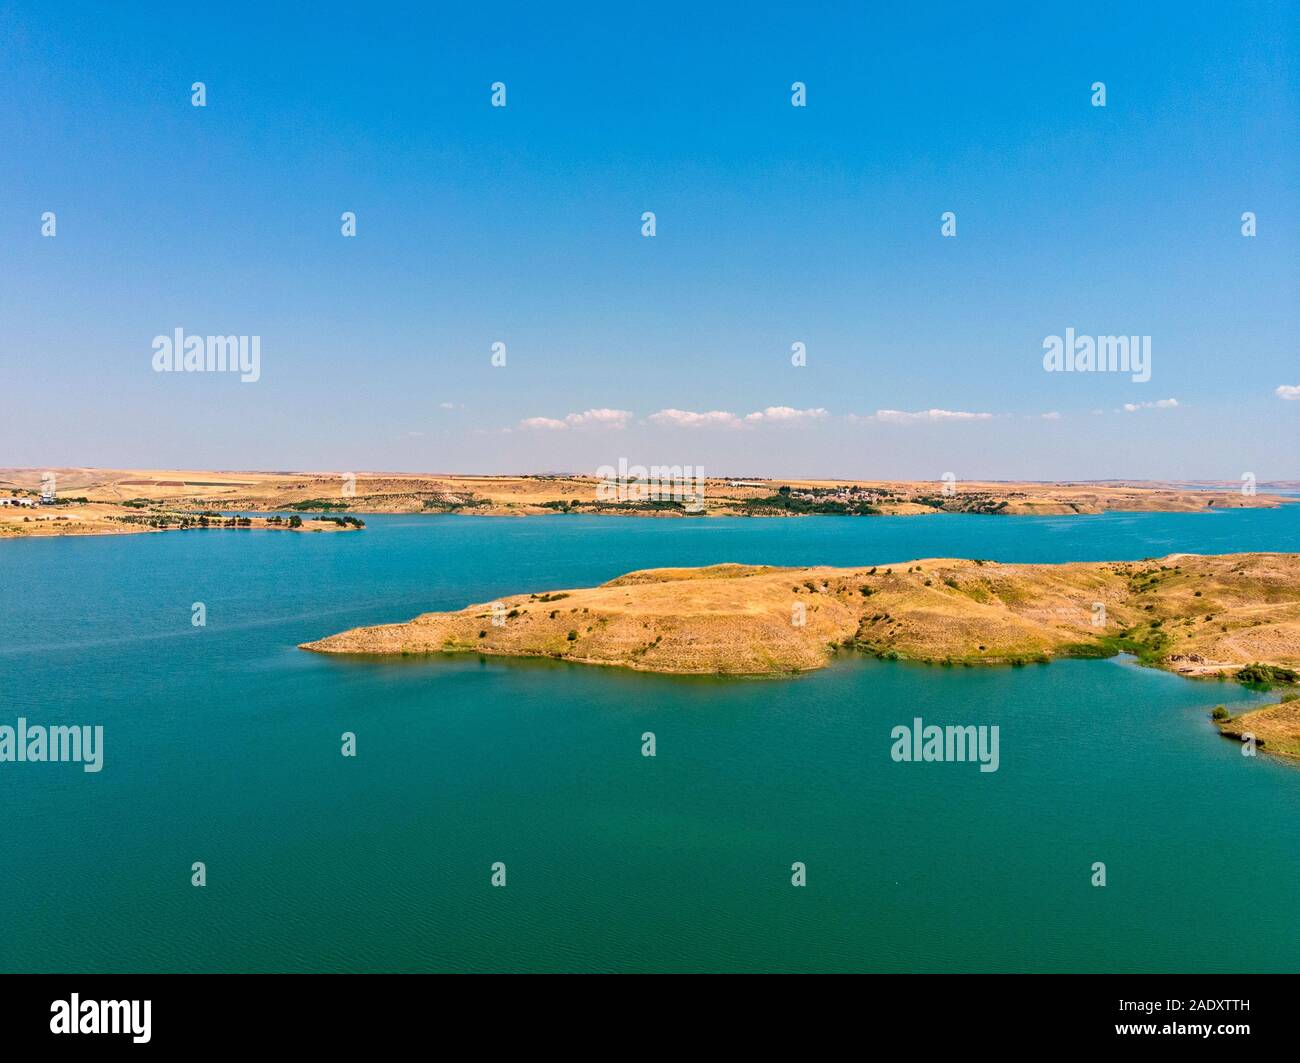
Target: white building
[{"x": 14, "y": 501}]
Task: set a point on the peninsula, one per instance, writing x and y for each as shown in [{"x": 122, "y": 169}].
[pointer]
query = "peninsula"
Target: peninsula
[
  {"x": 1198, "y": 615},
  {"x": 1276, "y": 728}
]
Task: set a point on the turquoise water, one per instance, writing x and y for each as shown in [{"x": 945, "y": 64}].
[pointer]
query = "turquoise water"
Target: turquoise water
[{"x": 222, "y": 745}]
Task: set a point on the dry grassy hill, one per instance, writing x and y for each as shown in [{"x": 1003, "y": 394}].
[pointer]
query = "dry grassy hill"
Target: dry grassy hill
[
  {"x": 1276, "y": 727},
  {"x": 1198, "y": 615}
]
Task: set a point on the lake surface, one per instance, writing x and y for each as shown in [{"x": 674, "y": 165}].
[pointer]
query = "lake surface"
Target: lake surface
[{"x": 222, "y": 745}]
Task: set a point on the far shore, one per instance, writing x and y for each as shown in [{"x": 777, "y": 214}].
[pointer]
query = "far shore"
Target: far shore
[{"x": 86, "y": 501}]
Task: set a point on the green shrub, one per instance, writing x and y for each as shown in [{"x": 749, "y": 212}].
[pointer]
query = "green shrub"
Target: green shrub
[{"x": 1266, "y": 675}]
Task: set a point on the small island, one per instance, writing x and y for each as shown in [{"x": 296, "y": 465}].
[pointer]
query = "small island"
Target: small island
[{"x": 1197, "y": 615}]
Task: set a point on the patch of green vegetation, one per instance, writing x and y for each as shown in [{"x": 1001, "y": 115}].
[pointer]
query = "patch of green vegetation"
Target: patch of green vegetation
[
  {"x": 785, "y": 503},
  {"x": 1266, "y": 675},
  {"x": 317, "y": 503},
  {"x": 1089, "y": 650},
  {"x": 645, "y": 505},
  {"x": 965, "y": 503},
  {"x": 186, "y": 520},
  {"x": 1148, "y": 651},
  {"x": 441, "y": 505}
]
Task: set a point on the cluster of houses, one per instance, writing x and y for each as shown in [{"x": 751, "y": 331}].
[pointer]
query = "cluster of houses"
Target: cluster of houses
[
  {"x": 15, "y": 501},
  {"x": 841, "y": 494}
]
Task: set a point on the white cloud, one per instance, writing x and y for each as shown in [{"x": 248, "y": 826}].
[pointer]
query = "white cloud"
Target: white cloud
[
  {"x": 1159, "y": 404},
  {"x": 904, "y": 417},
  {"x": 672, "y": 418},
  {"x": 785, "y": 414},
  {"x": 601, "y": 418},
  {"x": 1290, "y": 392},
  {"x": 451, "y": 405},
  {"x": 1052, "y": 416},
  {"x": 689, "y": 419}
]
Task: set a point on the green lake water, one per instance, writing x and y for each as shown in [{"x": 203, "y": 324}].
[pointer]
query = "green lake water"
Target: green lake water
[{"x": 222, "y": 745}]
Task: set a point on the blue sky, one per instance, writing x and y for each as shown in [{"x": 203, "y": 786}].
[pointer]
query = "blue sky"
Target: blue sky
[{"x": 775, "y": 224}]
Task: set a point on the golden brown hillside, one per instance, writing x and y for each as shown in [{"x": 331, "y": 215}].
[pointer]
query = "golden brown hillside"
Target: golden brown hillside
[{"x": 1198, "y": 615}]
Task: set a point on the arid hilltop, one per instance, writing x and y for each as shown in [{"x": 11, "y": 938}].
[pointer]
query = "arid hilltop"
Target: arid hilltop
[
  {"x": 1193, "y": 614},
  {"x": 101, "y": 501}
]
